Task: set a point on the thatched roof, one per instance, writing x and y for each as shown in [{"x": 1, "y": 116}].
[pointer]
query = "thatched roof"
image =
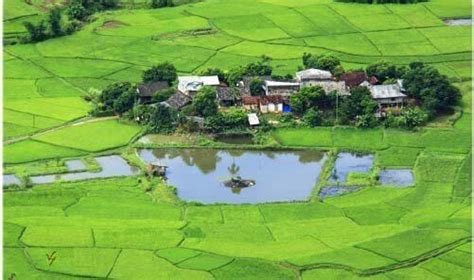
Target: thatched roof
[{"x": 149, "y": 89}]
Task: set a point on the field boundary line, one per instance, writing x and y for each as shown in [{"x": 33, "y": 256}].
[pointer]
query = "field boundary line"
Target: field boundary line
[{"x": 113, "y": 265}]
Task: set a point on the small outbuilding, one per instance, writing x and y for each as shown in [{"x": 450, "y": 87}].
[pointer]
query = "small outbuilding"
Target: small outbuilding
[
  {"x": 273, "y": 104},
  {"x": 253, "y": 119},
  {"x": 251, "y": 102},
  {"x": 229, "y": 96},
  {"x": 280, "y": 88}
]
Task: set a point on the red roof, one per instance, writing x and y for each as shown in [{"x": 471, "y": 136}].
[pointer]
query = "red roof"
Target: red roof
[
  {"x": 275, "y": 99},
  {"x": 374, "y": 80},
  {"x": 353, "y": 79},
  {"x": 250, "y": 100}
]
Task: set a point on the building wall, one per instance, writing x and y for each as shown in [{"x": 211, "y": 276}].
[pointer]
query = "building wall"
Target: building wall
[
  {"x": 389, "y": 101},
  {"x": 285, "y": 91}
]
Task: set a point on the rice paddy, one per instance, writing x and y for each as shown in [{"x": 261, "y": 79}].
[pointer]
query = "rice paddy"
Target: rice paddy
[{"x": 132, "y": 228}]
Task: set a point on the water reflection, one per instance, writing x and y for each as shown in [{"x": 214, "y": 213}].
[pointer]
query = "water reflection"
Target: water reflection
[
  {"x": 11, "y": 180},
  {"x": 111, "y": 166},
  {"x": 397, "y": 177},
  {"x": 199, "y": 174},
  {"x": 350, "y": 162},
  {"x": 333, "y": 191}
]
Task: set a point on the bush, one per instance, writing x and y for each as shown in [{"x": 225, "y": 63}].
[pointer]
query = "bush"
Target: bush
[
  {"x": 409, "y": 118},
  {"x": 312, "y": 117},
  {"x": 325, "y": 62},
  {"x": 205, "y": 102},
  {"x": 161, "y": 72},
  {"x": 234, "y": 119}
]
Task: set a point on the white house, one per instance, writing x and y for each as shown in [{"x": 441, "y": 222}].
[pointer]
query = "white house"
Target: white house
[
  {"x": 272, "y": 104},
  {"x": 308, "y": 77},
  {"x": 280, "y": 88},
  {"x": 192, "y": 84}
]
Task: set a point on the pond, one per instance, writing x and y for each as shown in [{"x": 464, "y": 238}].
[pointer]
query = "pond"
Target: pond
[
  {"x": 11, "y": 180},
  {"x": 397, "y": 177},
  {"x": 75, "y": 165},
  {"x": 332, "y": 191},
  {"x": 458, "y": 22},
  {"x": 202, "y": 174},
  {"x": 350, "y": 162},
  {"x": 236, "y": 139},
  {"x": 111, "y": 166}
]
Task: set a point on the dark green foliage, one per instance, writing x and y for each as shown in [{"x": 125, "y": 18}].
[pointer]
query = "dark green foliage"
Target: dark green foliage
[
  {"x": 233, "y": 119},
  {"x": 161, "y": 72},
  {"x": 77, "y": 11},
  {"x": 161, "y": 3},
  {"x": 118, "y": 97},
  {"x": 256, "y": 87},
  {"x": 434, "y": 90},
  {"x": 36, "y": 33},
  {"x": 408, "y": 118},
  {"x": 309, "y": 97},
  {"x": 312, "y": 117},
  {"x": 384, "y": 71},
  {"x": 214, "y": 72},
  {"x": 325, "y": 62},
  {"x": 142, "y": 113},
  {"x": 163, "y": 119},
  {"x": 358, "y": 104},
  {"x": 260, "y": 68},
  {"x": 54, "y": 21},
  {"x": 163, "y": 95},
  {"x": 205, "y": 102}
]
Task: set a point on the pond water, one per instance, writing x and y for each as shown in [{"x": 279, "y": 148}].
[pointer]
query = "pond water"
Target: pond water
[
  {"x": 111, "y": 166},
  {"x": 397, "y": 177},
  {"x": 458, "y": 22},
  {"x": 200, "y": 174},
  {"x": 10, "y": 180},
  {"x": 75, "y": 165},
  {"x": 241, "y": 139},
  {"x": 350, "y": 162},
  {"x": 332, "y": 191}
]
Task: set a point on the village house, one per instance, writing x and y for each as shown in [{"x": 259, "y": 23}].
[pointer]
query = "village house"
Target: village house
[
  {"x": 177, "y": 100},
  {"x": 308, "y": 77},
  {"x": 353, "y": 79},
  {"x": 229, "y": 96},
  {"x": 388, "y": 97},
  {"x": 333, "y": 86},
  {"x": 148, "y": 90},
  {"x": 190, "y": 85},
  {"x": 251, "y": 102},
  {"x": 280, "y": 88},
  {"x": 273, "y": 104},
  {"x": 244, "y": 84}
]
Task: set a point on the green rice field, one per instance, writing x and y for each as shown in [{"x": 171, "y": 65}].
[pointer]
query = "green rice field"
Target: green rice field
[{"x": 136, "y": 228}]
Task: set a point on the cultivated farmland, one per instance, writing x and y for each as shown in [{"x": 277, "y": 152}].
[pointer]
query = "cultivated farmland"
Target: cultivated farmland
[{"x": 137, "y": 228}]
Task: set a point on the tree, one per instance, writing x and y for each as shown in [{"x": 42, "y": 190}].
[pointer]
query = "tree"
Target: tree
[
  {"x": 358, "y": 104},
  {"x": 77, "y": 11},
  {"x": 307, "y": 98},
  {"x": 161, "y": 3},
  {"x": 36, "y": 33},
  {"x": 214, "y": 72},
  {"x": 163, "y": 95},
  {"x": 384, "y": 70},
  {"x": 112, "y": 92},
  {"x": 54, "y": 21},
  {"x": 161, "y": 72},
  {"x": 256, "y": 87},
  {"x": 205, "y": 102},
  {"x": 434, "y": 90},
  {"x": 233, "y": 119},
  {"x": 163, "y": 119},
  {"x": 125, "y": 101},
  {"x": 324, "y": 62},
  {"x": 312, "y": 117}
]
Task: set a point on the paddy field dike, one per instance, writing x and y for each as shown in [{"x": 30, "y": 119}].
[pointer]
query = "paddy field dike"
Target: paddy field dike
[{"x": 133, "y": 228}]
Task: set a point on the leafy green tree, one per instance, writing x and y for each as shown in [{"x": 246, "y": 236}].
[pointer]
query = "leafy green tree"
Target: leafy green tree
[
  {"x": 54, "y": 21},
  {"x": 125, "y": 101},
  {"x": 36, "y": 33},
  {"x": 358, "y": 104},
  {"x": 312, "y": 117},
  {"x": 163, "y": 119},
  {"x": 205, "y": 102},
  {"x": 233, "y": 119},
  {"x": 77, "y": 11},
  {"x": 307, "y": 98},
  {"x": 161, "y": 72},
  {"x": 112, "y": 92},
  {"x": 434, "y": 90},
  {"x": 384, "y": 70},
  {"x": 256, "y": 87},
  {"x": 324, "y": 62}
]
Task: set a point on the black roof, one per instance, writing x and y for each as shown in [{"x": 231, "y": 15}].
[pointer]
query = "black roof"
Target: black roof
[
  {"x": 229, "y": 93},
  {"x": 178, "y": 100},
  {"x": 149, "y": 89}
]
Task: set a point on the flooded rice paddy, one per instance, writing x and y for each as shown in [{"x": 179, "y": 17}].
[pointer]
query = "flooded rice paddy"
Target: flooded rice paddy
[
  {"x": 11, "y": 180},
  {"x": 458, "y": 22},
  {"x": 111, "y": 166},
  {"x": 201, "y": 174},
  {"x": 348, "y": 163},
  {"x": 397, "y": 177}
]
